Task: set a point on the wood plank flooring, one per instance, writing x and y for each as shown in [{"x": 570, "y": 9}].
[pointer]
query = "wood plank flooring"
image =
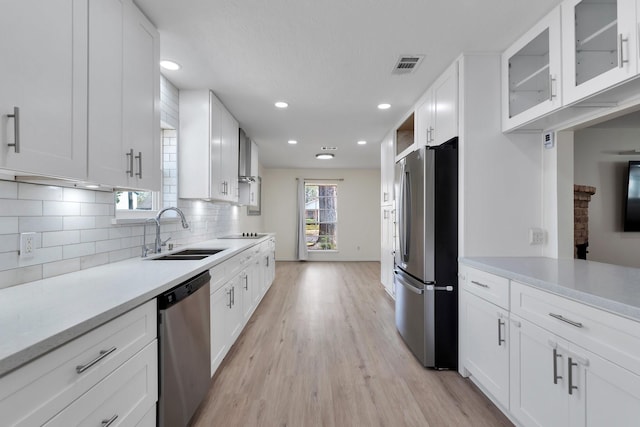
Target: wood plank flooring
[{"x": 322, "y": 350}]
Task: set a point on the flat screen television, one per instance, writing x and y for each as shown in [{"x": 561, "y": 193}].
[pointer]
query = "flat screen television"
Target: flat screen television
[{"x": 632, "y": 206}]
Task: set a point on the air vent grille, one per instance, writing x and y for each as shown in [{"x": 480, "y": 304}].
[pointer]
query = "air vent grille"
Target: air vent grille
[{"x": 407, "y": 64}]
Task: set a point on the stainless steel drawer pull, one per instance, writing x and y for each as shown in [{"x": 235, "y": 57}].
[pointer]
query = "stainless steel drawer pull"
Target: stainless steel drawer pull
[
  {"x": 230, "y": 303},
  {"x": 139, "y": 157},
  {"x": 501, "y": 340},
  {"x": 103, "y": 353},
  {"x": 564, "y": 319},
  {"x": 107, "y": 423},
  {"x": 556, "y": 377},
  {"x": 130, "y": 161},
  {"x": 16, "y": 129},
  {"x": 570, "y": 366},
  {"x": 482, "y": 285}
]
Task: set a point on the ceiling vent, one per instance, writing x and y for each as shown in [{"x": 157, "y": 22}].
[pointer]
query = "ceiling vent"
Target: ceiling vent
[
  {"x": 407, "y": 64},
  {"x": 329, "y": 148}
]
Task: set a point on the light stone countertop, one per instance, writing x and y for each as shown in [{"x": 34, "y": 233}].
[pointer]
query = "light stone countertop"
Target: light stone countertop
[
  {"x": 39, "y": 316},
  {"x": 606, "y": 286}
]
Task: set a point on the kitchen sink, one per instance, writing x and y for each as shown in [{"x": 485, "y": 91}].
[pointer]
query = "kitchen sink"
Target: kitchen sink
[{"x": 188, "y": 255}]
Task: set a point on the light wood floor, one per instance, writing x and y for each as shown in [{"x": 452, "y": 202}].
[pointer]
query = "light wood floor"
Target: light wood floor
[{"x": 322, "y": 350}]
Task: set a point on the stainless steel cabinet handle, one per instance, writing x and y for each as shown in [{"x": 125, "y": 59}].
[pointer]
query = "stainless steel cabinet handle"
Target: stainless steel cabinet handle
[
  {"x": 621, "y": 51},
  {"x": 229, "y": 293},
  {"x": 130, "y": 161},
  {"x": 570, "y": 365},
  {"x": 556, "y": 377},
  {"x": 482, "y": 285},
  {"x": 564, "y": 319},
  {"x": 233, "y": 295},
  {"x": 246, "y": 282},
  {"x": 16, "y": 129},
  {"x": 385, "y": 196},
  {"x": 500, "y": 339},
  {"x": 103, "y": 353},
  {"x": 552, "y": 80},
  {"x": 139, "y": 157},
  {"x": 107, "y": 423}
]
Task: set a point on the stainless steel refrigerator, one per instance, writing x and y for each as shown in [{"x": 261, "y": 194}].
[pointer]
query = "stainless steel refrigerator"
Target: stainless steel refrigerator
[{"x": 426, "y": 259}]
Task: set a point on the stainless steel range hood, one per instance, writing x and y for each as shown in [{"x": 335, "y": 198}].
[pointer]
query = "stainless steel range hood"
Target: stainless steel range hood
[{"x": 247, "y": 159}]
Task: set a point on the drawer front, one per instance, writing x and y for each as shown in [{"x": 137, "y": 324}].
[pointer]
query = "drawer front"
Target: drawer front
[
  {"x": 218, "y": 277},
  {"x": 34, "y": 393},
  {"x": 490, "y": 287},
  {"x": 611, "y": 336},
  {"x": 125, "y": 396}
]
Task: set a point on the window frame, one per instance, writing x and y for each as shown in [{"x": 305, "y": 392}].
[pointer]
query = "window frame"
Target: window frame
[{"x": 317, "y": 217}]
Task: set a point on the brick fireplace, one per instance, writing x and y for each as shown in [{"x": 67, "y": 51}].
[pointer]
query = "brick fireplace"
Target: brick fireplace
[{"x": 581, "y": 198}]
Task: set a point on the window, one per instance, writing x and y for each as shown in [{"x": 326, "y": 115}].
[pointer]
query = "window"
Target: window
[
  {"x": 134, "y": 200},
  {"x": 321, "y": 216}
]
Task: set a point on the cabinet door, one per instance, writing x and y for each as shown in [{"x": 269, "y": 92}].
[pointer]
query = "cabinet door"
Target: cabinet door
[
  {"x": 216, "y": 178},
  {"x": 445, "y": 107},
  {"x": 386, "y": 250},
  {"x": 229, "y": 157},
  {"x": 387, "y": 164},
  {"x": 486, "y": 337},
  {"x": 599, "y": 45},
  {"x": 44, "y": 76},
  {"x": 604, "y": 393},
  {"x": 538, "y": 376},
  {"x": 108, "y": 159},
  {"x": 531, "y": 68},
  {"x": 141, "y": 98},
  {"x": 235, "y": 314},
  {"x": 220, "y": 328},
  {"x": 246, "y": 288},
  {"x": 424, "y": 119}
]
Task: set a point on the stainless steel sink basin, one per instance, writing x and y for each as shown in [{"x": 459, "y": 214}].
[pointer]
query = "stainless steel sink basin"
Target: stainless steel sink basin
[{"x": 188, "y": 255}]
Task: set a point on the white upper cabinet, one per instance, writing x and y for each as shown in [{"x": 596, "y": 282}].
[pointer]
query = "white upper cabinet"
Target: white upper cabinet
[
  {"x": 405, "y": 141},
  {"x": 531, "y": 70},
  {"x": 387, "y": 164},
  {"x": 124, "y": 121},
  {"x": 43, "y": 87},
  {"x": 599, "y": 45},
  {"x": 208, "y": 149},
  {"x": 437, "y": 114}
]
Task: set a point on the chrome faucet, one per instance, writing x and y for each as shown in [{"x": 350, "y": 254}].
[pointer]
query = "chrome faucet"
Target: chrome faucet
[{"x": 159, "y": 243}]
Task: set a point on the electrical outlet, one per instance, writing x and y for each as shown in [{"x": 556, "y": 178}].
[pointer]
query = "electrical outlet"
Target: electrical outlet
[
  {"x": 536, "y": 236},
  {"x": 27, "y": 244}
]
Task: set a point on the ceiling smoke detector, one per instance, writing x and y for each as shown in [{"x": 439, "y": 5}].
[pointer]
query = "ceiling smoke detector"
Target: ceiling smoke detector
[
  {"x": 328, "y": 148},
  {"x": 407, "y": 64}
]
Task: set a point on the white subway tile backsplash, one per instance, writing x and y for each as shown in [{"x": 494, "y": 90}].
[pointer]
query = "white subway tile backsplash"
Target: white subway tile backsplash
[
  {"x": 42, "y": 255},
  {"x": 60, "y": 238},
  {"x": 8, "y": 190},
  {"x": 122, "y": 254},
  {"x": 17, "y": 276},
  {"x": 8, "y": 260},
  {"x": 42, "y": 223},
  {"x": 102, "y": 222},
  {"x": 60, "y": 267},
  {"x": 105, "y": 197},
  {"x": 93, "y": 260},
  {"x": 12, "y": 207},
  {"x": 78, "y": 222},
  {"x": 94, "y": 235},
  {"x": 9, "y": 225},
  {"x": 107, "y": 245},
  {"x": 78, "y": 250},
  {"x": 119, "y": 232},
  {"x": 131, "y": 242},
  {"x": 9, "y": 242},
  {"x": 79, "y": 195},
  {"x": 60, "y": 208},
  {"x": 39, "y": 192},
  {"x": 94, "y": 209}
]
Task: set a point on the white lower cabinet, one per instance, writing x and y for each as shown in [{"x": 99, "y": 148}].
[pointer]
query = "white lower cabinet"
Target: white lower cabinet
[
  {"x": 220, "y": 300},
  {"x": 86, "y": 376},
  {"x": 487, "y": 337}
]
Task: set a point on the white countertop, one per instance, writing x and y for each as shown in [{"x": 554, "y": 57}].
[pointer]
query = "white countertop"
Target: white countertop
[
  {"x": 605, "y": 286},
  {"x": 39, "y": 316}
]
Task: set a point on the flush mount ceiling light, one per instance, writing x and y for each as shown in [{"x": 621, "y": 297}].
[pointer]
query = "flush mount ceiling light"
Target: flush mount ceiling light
[
  {"x": 325, "y": 156},
  {"x": 169, "y": 65},
  {"x": 362, "y": 142},
  {"x": 281, "y": 104},
  {"x": 292, "y": 141},
  {"x": 384, "y": 106}
]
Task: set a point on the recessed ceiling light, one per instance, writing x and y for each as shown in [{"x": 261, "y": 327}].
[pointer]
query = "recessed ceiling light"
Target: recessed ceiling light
[
  {"x": 384, "y": 106},
  {"x": 281, "y": 104},
  {"x": 325, "y": 156},
  {"x": 292, "y": 141},
  {"x": 169, "y": 65},
  {"x": 362, "y": 142}
]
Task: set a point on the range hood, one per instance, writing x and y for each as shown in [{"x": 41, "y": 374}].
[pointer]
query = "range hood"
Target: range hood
[{"x": 247, "y": 159}]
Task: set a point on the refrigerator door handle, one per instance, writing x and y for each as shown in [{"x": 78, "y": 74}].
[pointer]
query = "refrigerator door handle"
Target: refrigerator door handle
[
  {"x": 406, "y": 213},
  {"x": 407, "y": 285}
]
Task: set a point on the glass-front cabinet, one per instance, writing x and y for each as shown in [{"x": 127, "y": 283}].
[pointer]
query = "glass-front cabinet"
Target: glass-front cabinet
[
  {"x": 531, "y": 73},
  {"x": 599, "y": 45}
]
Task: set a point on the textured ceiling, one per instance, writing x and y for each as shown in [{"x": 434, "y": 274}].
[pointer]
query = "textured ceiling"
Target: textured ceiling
[{"x": 331, "y": 60}]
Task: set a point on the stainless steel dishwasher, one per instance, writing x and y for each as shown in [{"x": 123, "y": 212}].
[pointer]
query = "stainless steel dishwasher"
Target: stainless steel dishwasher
[{"x": 185, "y": 350}]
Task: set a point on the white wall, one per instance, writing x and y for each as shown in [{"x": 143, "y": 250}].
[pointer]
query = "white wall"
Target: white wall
[
  {"x": 358, "y": 212},
  {"x": 500, "y": 175},
  {"x": 598, "y": 164}
]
